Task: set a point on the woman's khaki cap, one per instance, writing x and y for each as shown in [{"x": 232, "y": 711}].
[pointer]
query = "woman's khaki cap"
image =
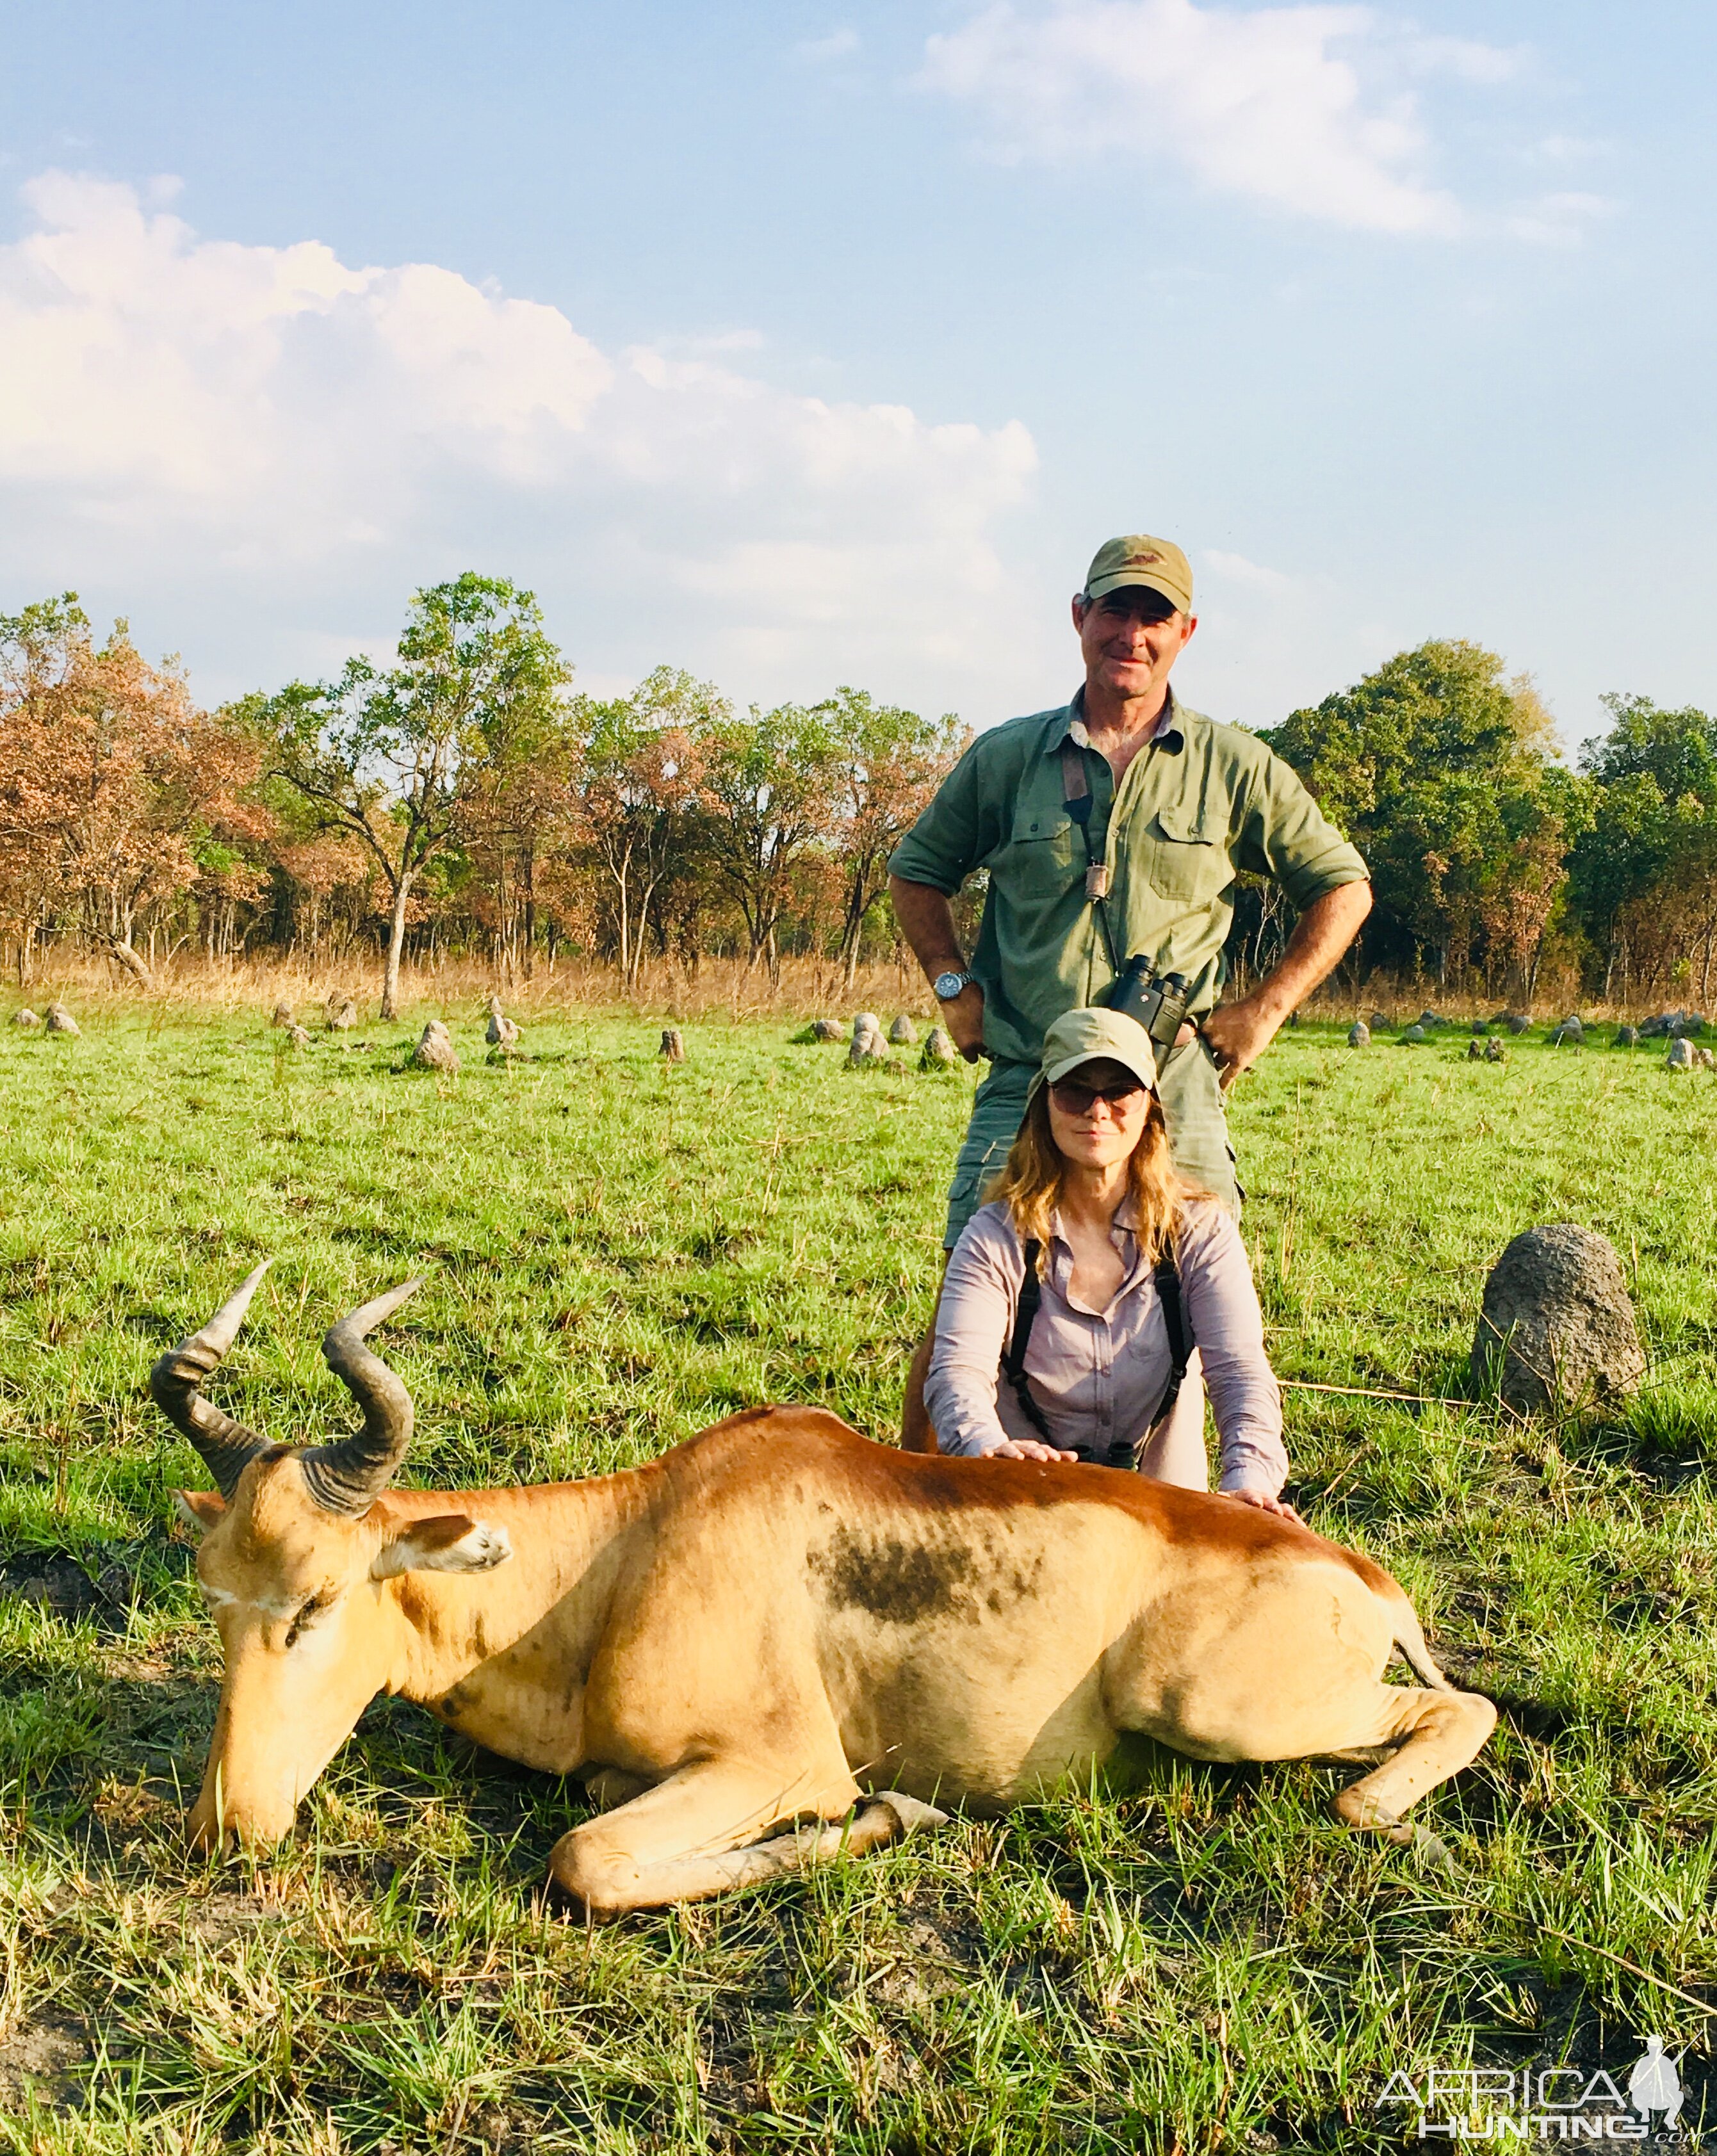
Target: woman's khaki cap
[
  {"x": 1158, "y": 564},
  {"x": 1084, "y": 1036}
]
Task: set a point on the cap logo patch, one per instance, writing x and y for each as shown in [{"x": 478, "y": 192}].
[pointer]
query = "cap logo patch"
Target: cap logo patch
[{"x": 1142, "y": 561}]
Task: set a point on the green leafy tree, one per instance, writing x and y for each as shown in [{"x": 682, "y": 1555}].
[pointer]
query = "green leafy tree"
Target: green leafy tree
[
  {"x": 767, "y": 789},
  {"x": 1437, "y": 766},
  {"x": 886, "y": 763},
  {"x": 397, "y": 757},
  {"x": 1621, "y": 855},
  {"x": 1676, "y": 750},
  {"x": 640, "y": 790},
  {"x": 521, "y": 801},
  {"x": 1641, "y": 871}
]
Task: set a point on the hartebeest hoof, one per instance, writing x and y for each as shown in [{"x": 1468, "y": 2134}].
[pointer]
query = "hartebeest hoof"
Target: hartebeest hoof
[
  {"x": 910, "y": 1815},
  {"x": 1357, "y": 1807},
  {"x": 1354, "y": 1808}
]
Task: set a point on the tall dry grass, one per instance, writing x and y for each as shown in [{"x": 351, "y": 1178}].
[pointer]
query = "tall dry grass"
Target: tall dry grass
[
  {"x": 806, "y": 987},
  {"x": 811, "y": 987}
]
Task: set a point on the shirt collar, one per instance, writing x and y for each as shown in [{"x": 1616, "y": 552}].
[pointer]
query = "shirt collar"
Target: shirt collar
[
  {"x": 1124, "y": 1223},
  {"x": 1069, "y": 725},
  {"x": 1124, "y": 1236}
]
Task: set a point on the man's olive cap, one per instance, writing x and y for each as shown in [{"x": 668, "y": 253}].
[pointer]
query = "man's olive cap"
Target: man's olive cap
[
  {"x": 1158, "y": 564},
  {"x": 1088, "y": 1036}
]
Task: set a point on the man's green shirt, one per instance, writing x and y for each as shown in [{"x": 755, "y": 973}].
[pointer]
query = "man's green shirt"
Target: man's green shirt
[{"x": 1199, "y": 802}]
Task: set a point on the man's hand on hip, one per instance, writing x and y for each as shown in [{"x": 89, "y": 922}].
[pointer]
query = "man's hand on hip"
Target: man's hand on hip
[
  {"x": 1238, "y": 1033},
  {"x": 965, "y": 1019}
]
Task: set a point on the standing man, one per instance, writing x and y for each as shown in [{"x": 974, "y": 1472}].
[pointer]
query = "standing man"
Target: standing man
[{"x": 1110, "y": 827}]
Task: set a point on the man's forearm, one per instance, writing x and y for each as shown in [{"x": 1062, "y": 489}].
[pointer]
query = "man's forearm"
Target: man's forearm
[
  {"x": 1237, "y": 1034},
  {"x": 1320, "y": 936},
  {"x": 926, "y": 918}
]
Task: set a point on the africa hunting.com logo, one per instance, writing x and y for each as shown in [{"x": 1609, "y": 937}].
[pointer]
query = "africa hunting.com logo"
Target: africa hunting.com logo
[{"x": 1548, "y": 2103}]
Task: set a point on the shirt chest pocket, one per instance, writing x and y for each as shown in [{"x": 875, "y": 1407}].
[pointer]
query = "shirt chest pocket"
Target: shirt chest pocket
[
  {"x": 1183, "y": 854},
  {"x": 1044, "y": 855}
]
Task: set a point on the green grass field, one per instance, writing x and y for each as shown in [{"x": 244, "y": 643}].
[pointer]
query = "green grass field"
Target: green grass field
[{"x": 618, "y": 1253}]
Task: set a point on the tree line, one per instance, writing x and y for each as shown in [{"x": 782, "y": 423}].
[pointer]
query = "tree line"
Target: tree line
[
  {"x": 1493, "y": 860},
  {"x": 467, "y": 797}
]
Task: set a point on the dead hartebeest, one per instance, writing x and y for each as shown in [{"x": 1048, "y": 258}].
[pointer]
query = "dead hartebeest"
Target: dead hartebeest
[{"x": 733, "y": 1644}]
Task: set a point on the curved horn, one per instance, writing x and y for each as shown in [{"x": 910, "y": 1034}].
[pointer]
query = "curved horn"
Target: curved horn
[
  {"x": 228, "y": 1447},
  {"x": 349, "y": 1474}
]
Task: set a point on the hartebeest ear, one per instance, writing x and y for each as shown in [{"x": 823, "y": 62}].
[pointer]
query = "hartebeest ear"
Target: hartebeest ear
[
  {"x": 451, "y": 1542},
  {"x": 200, "y": 1509}
]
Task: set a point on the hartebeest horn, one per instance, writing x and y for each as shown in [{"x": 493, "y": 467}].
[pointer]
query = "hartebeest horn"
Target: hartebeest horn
[
  {"x": 228, "y": 1447},
  {"x": 348, "y": 1475}
]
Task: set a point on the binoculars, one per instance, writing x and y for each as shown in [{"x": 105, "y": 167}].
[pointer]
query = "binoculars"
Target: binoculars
[{"x": 1157, "y": 1001}]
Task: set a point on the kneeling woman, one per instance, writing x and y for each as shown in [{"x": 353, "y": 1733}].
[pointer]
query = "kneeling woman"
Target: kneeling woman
[{"x": 1129, "y": 1260}]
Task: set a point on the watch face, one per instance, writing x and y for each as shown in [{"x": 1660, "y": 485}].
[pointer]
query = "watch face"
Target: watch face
[{"x": 948, "y": 986}]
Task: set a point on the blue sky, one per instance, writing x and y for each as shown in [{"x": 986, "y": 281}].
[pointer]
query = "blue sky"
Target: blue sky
[{"x": 801, "y": 344}]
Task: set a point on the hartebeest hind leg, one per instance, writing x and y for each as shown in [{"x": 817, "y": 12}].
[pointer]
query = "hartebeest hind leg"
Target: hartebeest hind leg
[
  {"x": 1438, "y": 1732},
  {"x": 694, "y": 1835}
]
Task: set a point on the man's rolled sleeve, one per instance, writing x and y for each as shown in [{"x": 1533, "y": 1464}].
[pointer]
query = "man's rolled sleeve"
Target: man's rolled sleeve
[
  {"x": 1287, "y": 836},
  {"x": 951, "y": 836}
]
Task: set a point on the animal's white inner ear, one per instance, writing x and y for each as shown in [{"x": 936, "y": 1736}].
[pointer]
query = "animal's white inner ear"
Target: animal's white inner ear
[
  {"x": 451, "y": 1542},
  {"x": 199, "y": 1508}
]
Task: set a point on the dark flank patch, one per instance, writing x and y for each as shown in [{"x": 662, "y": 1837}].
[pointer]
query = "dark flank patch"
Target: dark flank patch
[
  {"x": 900, "y": 1581},
  {"x": 1012, "y": 1586}
]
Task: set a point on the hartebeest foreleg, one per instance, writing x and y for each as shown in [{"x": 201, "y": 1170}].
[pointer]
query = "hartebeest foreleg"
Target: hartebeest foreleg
[{"x": 695, "y": 1835}]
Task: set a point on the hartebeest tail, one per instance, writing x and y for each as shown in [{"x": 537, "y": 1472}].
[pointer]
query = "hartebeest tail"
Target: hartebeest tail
[
  {"x": 760, "y": 1626},
  {"x": 1414, "y": 1653}
]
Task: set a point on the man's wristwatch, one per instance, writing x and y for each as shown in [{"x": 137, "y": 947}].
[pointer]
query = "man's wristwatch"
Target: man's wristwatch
[{"x": 948, "y": 986}]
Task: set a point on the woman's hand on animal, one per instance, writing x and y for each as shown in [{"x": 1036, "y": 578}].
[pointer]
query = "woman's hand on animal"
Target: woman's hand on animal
[
  {"x": 1026, "y": 1448},
  {"x": 1265, "y": 1504}
]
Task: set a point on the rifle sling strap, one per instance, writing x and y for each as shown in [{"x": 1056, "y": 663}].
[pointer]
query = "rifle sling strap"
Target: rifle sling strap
[{"x": 1075, "y": 799}]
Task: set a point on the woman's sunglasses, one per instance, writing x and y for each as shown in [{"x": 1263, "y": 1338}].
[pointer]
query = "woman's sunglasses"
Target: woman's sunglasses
[{"x": 1073, "y": 1099}]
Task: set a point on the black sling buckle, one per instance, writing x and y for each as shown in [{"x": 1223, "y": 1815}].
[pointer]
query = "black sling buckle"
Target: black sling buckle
[{"x": 1122, "y": 1451}]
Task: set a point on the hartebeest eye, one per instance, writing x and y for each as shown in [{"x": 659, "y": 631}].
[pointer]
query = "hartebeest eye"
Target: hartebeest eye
[{"x": 306, "y": 1612}]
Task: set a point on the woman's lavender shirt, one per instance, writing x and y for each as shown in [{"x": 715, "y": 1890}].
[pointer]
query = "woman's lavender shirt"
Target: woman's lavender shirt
[{"x": 1099, "y": 1376}]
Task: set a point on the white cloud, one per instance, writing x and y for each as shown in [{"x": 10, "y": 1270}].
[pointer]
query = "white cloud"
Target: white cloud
[
  {"x": 1270, "y": 104},
  {"x": 1559, "y": 220},
  {"x": 1566, "y": 150},
  {"x": 265, "y": 444},
  {"x": 839, "y": 46},
  {"x": 1236, "y": 569},
  {"x": 1466, "y": 58},
  {"x": 735, "y": 340}
]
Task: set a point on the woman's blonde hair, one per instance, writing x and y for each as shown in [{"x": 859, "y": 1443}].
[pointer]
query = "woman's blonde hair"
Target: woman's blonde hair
[{"x": 1030, "y": 1184}]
